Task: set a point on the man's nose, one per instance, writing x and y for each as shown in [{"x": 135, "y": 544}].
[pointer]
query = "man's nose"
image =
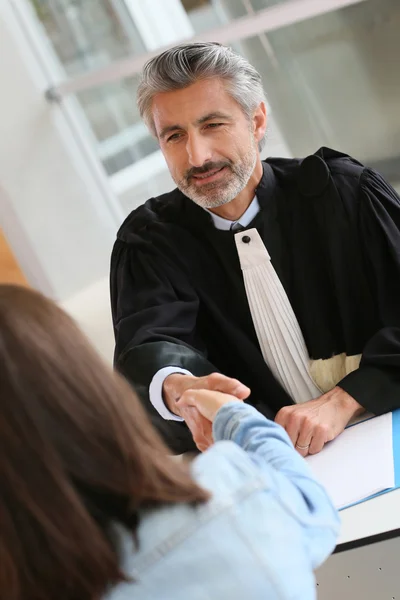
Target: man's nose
[{"x": 198, "y": 150}]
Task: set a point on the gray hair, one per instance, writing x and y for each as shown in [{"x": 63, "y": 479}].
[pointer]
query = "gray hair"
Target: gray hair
[{"x": 183, "y": 65}]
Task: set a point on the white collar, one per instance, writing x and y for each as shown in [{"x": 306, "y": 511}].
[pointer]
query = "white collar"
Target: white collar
[{"x": 245, "y": 219}]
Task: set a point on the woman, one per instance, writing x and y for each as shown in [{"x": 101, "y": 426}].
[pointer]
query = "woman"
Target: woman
[{"x": 91, "y": 506}]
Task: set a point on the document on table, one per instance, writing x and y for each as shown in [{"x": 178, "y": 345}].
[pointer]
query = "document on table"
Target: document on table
[{"x": 359, "y": 463}]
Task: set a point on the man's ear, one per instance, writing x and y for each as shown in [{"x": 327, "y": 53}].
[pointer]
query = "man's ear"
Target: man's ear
[{"x": 260, "y": 120}]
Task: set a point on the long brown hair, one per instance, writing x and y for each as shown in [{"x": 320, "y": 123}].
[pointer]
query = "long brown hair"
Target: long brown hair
[{"x": 77, "y": 456}]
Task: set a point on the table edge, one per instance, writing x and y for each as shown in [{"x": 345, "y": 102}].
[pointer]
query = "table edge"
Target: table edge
[{"x": 366, "y": 541}]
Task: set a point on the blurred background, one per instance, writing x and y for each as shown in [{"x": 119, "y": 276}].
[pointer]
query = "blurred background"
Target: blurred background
[{"x": 75, "y": 158}]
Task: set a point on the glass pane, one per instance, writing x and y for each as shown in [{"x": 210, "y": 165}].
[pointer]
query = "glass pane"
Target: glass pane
[
  {"x": 334, "y": 80},
  {"x": 88, "y": 34},
  {"x": 122, "y": 137},
  {"x": 207, "y": 14},
  {"x": 204, "y": 14}
]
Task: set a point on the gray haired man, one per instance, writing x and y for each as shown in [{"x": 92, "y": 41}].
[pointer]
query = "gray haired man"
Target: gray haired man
[{"x": 275, "y": 281}]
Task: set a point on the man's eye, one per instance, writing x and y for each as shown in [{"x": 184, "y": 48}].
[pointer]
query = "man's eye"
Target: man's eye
[
  {"x": 214, "y": 125},
  {"x": 174, "y": 137}
]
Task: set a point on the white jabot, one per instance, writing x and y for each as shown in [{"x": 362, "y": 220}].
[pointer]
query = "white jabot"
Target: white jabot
[
  {"x": 278, "y": 331},
  {"x": 245, "y": 219}
]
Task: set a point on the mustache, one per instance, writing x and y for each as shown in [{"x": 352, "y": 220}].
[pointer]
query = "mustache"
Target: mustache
[{"x": 209, "y": 166}]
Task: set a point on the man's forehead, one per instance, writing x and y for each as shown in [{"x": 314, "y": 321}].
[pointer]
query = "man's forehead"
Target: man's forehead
[{"x": 193, "y": 104}]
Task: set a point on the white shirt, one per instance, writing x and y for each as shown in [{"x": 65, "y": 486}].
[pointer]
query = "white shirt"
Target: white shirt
[
  {"x": 245, "y": 219},
  {"x": 156, "y": 385}
]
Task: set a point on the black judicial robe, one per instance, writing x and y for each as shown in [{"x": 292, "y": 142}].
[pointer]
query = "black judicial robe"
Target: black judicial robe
[{"x": 332, "y": 229}]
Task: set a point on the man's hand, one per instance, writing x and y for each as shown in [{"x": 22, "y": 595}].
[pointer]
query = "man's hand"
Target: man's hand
[
  {"x": 177, "y": 384},
  {"x": 312, "y": 424}
]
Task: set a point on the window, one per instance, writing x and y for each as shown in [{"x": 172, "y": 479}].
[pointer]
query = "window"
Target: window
[
  {"x": 330, "y": 80},
  {"x": 123, "y": 139},
  {"x": 87, "y": 35},
  {"x": 336, "y": 82},
  {"x": 210, "y": 14}
]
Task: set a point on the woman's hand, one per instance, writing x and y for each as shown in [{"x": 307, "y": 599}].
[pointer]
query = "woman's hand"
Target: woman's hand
[{"x": 206, "y": 403}]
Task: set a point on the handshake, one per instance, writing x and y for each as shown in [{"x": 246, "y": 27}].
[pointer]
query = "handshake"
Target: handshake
[
  {"x": 198, "y": 399},
  {"x": 309, "y": 425}
]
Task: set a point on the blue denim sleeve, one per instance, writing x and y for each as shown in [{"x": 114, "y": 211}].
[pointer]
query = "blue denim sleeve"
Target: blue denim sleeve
[{"x": 286, "y": 473}]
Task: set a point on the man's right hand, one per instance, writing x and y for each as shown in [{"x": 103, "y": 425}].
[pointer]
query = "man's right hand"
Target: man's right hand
[
  {"x": 207, "y": 402},
  {"x": 177, "y": 384}
]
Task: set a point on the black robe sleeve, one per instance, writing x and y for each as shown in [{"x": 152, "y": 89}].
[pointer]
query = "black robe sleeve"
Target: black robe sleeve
[
  {"x": 376, "y": 384},
  {"x": 154, "y": 310}
]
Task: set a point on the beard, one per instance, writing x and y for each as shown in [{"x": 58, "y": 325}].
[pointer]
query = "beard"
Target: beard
[{"x": 220, "y": 192}]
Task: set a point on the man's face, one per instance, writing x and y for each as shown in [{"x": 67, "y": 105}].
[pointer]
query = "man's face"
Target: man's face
[{"x": 209, "y": 145}]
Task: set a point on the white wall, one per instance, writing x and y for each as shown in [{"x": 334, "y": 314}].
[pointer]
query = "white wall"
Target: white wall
[
  {"x": 91, "y": 310},
  {"x": 55, "y": 203}
]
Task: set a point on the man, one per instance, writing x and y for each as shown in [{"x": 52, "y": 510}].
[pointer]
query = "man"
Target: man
[{"x": 276, "y": 281}]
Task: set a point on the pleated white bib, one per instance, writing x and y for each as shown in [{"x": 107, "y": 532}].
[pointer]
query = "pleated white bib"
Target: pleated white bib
[{"x": 278, "y": 331}]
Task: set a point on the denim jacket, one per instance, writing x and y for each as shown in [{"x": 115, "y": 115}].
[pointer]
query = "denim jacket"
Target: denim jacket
[{"x": 267, "y": 526}]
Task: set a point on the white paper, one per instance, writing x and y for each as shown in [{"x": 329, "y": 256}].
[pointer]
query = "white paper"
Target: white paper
[{"x": 358, "y": 463}]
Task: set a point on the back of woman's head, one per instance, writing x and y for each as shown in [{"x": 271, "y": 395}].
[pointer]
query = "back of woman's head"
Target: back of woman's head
[{"x": 77, "y": 456}]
